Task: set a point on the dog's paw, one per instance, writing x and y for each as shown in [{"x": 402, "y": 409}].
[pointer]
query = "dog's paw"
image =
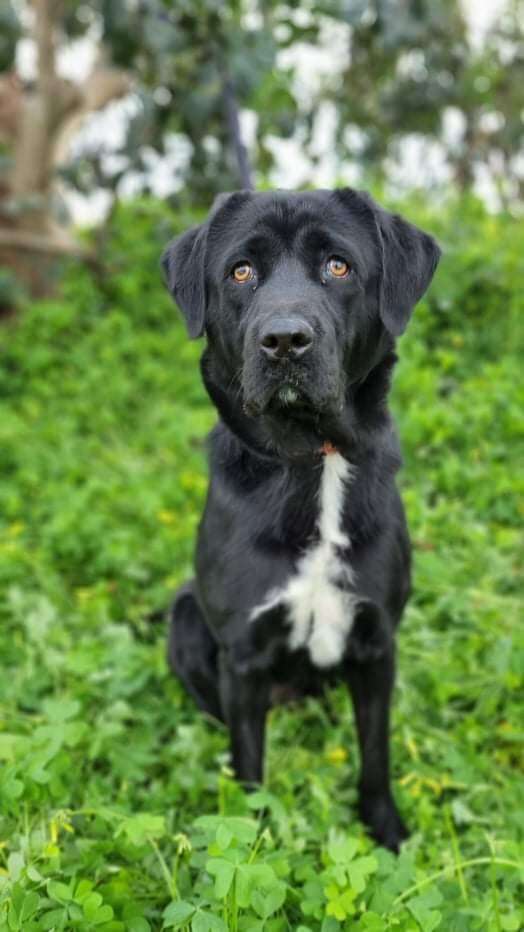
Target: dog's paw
[
  {"x": 370, "y": 637},
  {"x": 383, "y": 821}
]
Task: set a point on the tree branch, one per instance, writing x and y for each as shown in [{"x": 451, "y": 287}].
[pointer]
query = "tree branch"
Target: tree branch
[
  {"x": 101, "y": 87},
  {"x": 46, "y": 15},
  {"x": 35, "y": 242},
  {"x": 235, "y": 135}
]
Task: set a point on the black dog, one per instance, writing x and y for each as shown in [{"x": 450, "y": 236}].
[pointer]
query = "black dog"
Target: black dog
[{"x": 303, "y": 558}]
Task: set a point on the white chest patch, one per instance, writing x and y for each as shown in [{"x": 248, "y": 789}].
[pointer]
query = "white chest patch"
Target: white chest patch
[{"x": 319, "y": 600}]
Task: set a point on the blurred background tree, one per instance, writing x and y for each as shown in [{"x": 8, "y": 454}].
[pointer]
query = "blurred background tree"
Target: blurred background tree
[
  {"x": 197, "y": 73},
  {"x": 408, "y": 63},
  {"x": 189, "y": 65}
]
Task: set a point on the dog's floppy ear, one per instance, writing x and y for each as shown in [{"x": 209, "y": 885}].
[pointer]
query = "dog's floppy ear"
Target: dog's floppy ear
[
  {"x": 183, "y": 265},
  {"x": 408, "y": 259},
  {"x": 184, "y": 261}
]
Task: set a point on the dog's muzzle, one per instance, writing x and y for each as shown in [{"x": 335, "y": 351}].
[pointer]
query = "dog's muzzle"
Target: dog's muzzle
[{"x": 288, "y": 369}]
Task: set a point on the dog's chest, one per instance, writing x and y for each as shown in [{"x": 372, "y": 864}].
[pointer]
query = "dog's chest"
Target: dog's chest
[{"x": 318, "y": 599}]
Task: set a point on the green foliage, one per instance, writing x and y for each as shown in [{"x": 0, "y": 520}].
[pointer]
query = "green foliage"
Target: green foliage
[
  {"x": 117, "y": 811},
  {"x": 9, "y": 34},
  {"x": 11, "y": 293},
  {"x": 407, "y": 65}
]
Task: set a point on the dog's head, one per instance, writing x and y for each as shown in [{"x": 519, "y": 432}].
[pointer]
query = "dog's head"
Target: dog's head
[{"x": 301, "y": 295}]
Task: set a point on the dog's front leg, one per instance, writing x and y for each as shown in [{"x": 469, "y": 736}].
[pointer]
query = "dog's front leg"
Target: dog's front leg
[
  {"x": 245, "y": 702},
  {"x": 371, "y": 684}
]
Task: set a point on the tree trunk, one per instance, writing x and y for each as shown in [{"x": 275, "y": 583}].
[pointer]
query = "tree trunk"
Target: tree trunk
[
  {"x": 235, "y": 135},
  {"x": 464, "y": 171},
  {"x": 27, "y": 200},
  {"x": 40, "y": 130}
]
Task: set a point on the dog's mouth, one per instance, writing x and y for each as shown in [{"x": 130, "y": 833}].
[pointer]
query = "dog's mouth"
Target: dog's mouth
[
  {"x": 295, "y": 420},
  {"x": 289, "y": 399},
  {"x": 286, "y": 401},
  {"x": 287, "y": 396}
]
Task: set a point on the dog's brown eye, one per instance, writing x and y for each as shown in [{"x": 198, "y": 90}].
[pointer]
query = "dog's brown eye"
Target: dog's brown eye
[
  {"x": 338, "y": 267},
  {"x": 243, "y": 272}
]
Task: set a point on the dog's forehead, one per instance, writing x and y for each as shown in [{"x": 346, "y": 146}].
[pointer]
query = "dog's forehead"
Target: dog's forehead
[{"x": 284, "y": 214}]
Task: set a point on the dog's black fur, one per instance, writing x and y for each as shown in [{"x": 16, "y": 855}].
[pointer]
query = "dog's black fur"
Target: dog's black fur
[{"x": 266, "y": 455}]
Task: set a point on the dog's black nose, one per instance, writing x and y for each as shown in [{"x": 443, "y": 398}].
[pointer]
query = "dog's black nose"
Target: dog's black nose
[{"x": 286, "y": 337}]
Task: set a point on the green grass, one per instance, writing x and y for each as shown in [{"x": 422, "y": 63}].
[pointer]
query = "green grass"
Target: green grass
[{"x": 117, "y": 810}]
